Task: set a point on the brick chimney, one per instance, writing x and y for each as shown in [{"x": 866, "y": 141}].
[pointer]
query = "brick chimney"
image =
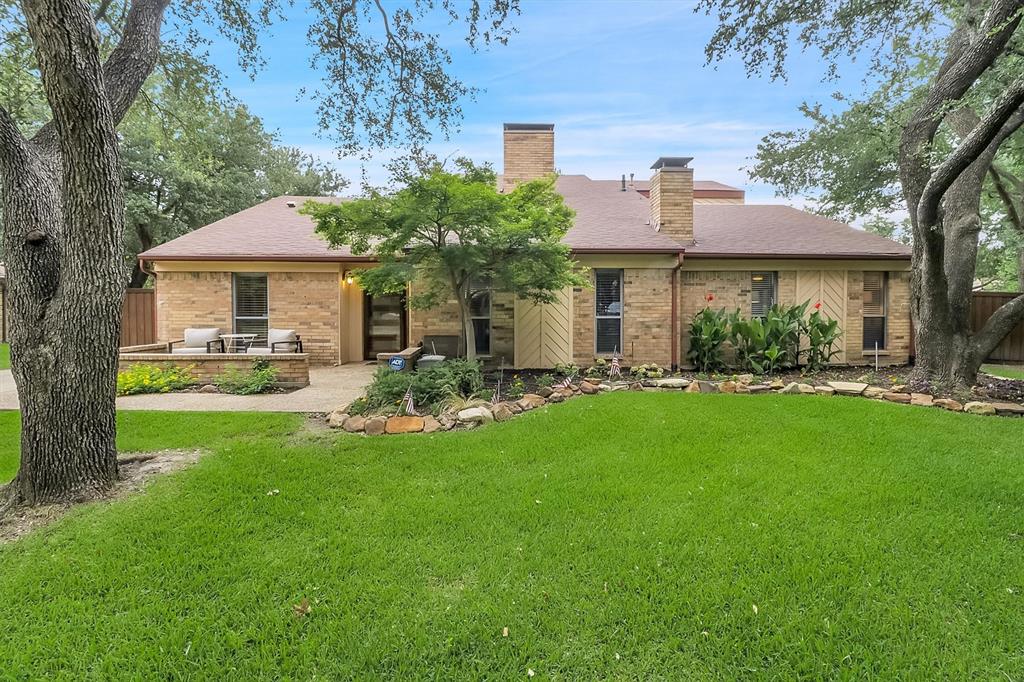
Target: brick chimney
[
  {"x": 529, "y": 152},
  {"x": 672, "y": 198}
]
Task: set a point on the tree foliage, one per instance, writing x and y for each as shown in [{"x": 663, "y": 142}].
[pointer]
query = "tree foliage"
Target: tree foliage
[{"x": 445, "y": 230}]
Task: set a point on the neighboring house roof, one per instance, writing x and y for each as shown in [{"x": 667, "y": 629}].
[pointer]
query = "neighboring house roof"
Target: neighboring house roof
[
  {"x": 702, "y": 189},
  {"x": 608, "y": 220}
]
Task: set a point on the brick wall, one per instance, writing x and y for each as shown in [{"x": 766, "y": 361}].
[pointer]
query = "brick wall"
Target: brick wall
[
  {"x": 672, "y": 202},
  {"x": 308, "y": 302},
  {"x": 292, "y": 368},
  {"x": 529, "y": 154},
  {"x": 304, "y": 301},
  {"x": 444, "y": 320},
  {"x": 646, "y": 319},
  {"x": 731, "y": 289},
  {"x": 192, "y": 299}
]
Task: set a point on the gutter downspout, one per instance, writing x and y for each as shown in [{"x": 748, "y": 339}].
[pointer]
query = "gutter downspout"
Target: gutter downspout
[{"x": 676, "y": 339}]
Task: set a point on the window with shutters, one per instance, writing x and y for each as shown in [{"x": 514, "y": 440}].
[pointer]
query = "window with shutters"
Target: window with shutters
[
  {"x": 875, "y": 285},
  {"x": 763, "y": 286},
  {"x": 480, "y": 313},
  {"x": 251, "y": 305},
  {"x": 608, "y": 313}
]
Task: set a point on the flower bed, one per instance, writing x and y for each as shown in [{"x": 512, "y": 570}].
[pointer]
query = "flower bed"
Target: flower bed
[{"x": 746, "y": 384}]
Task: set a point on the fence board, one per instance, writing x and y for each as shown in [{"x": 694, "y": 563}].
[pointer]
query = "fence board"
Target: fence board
[
  {"x": 138, "y": 324},
  {"x": 983, "y": 305}
]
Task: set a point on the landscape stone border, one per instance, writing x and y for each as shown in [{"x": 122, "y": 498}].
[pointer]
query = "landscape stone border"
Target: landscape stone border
[{"x": 481, "y": 415}]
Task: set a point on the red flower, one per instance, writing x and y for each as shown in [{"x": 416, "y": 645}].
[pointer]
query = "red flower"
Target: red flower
[
  {"x": 817, "y": 306},
  {"x": 709, "y": 298}
]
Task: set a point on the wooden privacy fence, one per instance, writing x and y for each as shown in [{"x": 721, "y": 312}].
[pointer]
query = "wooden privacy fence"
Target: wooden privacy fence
[
  {"x": 983, "y": 304},
  {"x": 138, "y": 324}
]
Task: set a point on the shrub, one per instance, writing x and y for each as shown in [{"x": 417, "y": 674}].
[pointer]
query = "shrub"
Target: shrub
[
  {"x": 822, "y": 334},
  {"x": 259, "y": 379},
  {"x": 430, "y": 386},
  {"x": 143, "y": 378},
  {"x": 766, "y": 344},
  {"x": 515, "y": 389},
  {"x": 708, "y": 331},
  {"x": 599, "y": 370},
  {"x": 546, "y": 380},
  {"x": 649, "y": 371}
]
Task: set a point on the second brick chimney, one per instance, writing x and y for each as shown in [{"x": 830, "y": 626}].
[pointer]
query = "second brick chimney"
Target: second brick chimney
[
  {"x": 529, "y": 152},
  {"x": 672, "y": 198}
]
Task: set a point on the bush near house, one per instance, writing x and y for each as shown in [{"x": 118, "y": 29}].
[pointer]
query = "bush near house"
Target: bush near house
[
  {"x": 143, "y": 378},
  {"x": 260, "y": 379},
  {"x": 763, "y": 345},
  {"x": 430, "y": 386}
]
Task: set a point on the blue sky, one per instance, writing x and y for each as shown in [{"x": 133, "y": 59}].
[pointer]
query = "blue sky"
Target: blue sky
[{"x": 624, "y": 82}]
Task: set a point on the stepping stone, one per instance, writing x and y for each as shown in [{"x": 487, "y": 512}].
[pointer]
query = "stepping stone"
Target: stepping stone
[{"x": 848, "y": 387}]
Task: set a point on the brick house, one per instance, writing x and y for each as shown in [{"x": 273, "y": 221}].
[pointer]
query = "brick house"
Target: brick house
[{"x": 655, "y": 251}]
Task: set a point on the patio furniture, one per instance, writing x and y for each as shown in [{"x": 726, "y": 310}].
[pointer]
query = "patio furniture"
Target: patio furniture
[
  {"x": 237, "y": 343},
  {"x": 278, "y": 341},
  {"x": 198, "y": 340}
]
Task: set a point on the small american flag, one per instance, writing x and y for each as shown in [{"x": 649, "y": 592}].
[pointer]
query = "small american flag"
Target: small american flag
[
  {"x": 407, "y": 405},
  {"x": 496, "y": 398},
  {"x": 565, "y": 383},
  {"x": 615, "y": 371}
]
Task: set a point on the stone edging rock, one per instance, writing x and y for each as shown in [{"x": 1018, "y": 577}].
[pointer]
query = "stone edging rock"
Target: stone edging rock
[{"x": 481, "y": 415}]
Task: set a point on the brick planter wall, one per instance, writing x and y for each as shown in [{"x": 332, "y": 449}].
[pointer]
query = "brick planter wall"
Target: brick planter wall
[{"x": 292, "y": 368}]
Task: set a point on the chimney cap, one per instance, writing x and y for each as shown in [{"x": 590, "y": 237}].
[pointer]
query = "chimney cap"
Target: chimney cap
[
  {"x": 530, "y": 127},
  {"x": 671, "y": 162}
]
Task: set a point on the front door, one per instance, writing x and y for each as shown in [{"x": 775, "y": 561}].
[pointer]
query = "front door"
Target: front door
[{"x": 383, "y": 324}]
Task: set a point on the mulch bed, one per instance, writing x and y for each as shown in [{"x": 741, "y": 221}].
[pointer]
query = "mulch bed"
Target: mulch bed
[{"x": 988, "y": 388}]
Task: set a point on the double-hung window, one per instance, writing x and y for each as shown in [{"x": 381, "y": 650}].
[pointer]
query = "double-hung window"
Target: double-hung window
[
  {"x": 480, "y": 314},
  {"x": 875, "y": 285},
  {"x": 251, "y": 305},
  {"x": 608, "y": 313},
  {"x": 763, "y": 292}
]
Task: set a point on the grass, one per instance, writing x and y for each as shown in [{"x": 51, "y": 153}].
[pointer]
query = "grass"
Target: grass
[
  {"x": 1005, "y": 371},
  {"x": 665, "y": 536},
  {"x": 5, "y": 356}
]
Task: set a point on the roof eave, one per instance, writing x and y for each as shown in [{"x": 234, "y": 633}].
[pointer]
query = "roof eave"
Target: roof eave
[
  {"x": 802, "y": 256},
  {"x": 260, "y": 258}
]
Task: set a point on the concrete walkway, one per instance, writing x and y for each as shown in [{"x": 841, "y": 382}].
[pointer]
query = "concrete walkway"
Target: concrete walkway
[{"x": 328, "y": 388}]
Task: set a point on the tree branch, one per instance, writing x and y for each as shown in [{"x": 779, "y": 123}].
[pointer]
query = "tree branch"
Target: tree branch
[
  {"x": 12, "y": 142},
  {"x": 1001, "y": 121},
  {"x": 1012, "y": 212},
  {"x": 999, "y": 326},
  {"x": 129, "y": 65}
]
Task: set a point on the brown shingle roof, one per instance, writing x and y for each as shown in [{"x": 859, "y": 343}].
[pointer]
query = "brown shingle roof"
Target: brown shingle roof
[
  {"x": 748, "y": 230},
  {"x": 268, "y": 231},
  {"x": 607, "y": 220}
]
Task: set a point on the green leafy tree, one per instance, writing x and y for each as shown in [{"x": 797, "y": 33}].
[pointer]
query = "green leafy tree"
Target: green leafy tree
[
  {"x": 386, "y": 80},
  {"x": 445, "y": 230},
  {"x": 957, "y": 99}
]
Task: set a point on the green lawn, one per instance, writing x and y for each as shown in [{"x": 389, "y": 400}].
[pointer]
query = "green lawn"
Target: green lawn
[
  {"x": 5, "y": 356},
  {"x": 631, "y": 536},
  {"x": 1005, "y": 371}
]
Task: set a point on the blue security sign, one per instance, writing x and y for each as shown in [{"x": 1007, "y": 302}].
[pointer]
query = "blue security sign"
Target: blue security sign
[{"x": 397, "y": 363}]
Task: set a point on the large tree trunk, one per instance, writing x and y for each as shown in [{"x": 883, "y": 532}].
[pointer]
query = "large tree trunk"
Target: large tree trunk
[
  {"x": 63, "y": 237},
  {"x": 943, "y": 198}
]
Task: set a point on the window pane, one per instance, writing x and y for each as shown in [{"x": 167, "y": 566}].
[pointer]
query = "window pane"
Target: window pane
[
  {"x": 874, "y": 293},
  {"x": 609, "y": 334},
  {"x": 482, "y": 332},
  {"x": 608, "y": 292},
  {"x": 762, "y": 293},
  {"x": 480, "y": 303},
  {"x": 250, "y": 295},
  {"x": 874, "y": 331}
]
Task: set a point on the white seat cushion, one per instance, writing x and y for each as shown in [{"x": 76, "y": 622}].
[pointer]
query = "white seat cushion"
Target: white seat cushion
[
  {"x": 198, "y": 337},
  {"x": 280, "y": 336},
  {"x": 257, "y": 350},
  {"x": 189, "y": 351}
]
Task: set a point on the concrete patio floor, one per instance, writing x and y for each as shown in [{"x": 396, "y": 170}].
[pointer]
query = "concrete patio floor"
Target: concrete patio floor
[{"x": 328, "y": 388}]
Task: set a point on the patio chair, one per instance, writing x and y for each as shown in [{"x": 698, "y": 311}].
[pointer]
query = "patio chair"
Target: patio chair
[
  {"x": 198, "y": 340},
  {"x": 278, "y": 341}
]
